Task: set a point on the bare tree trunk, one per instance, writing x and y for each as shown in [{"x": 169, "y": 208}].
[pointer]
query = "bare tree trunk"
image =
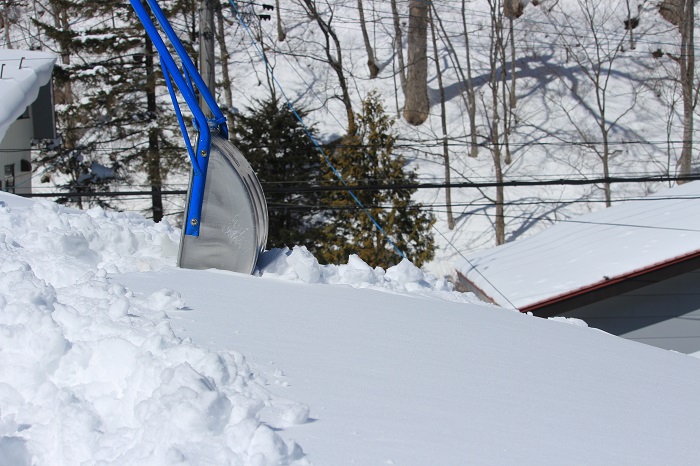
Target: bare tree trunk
[
  {"x": 471, "y": 96},
  {"x": 507, "y": 119},
  {"x": 5, "y": 23},
  {"x": 506, "y": 96},
  {"x": 513, "y": 75},
  {"x": 64, "y": 94},
  {"x": 398, "y": 44},
  {"x": 335, "y": 61},
  {"x": 417, "y": 103},
  {"x": 513, "y": 8},
  {"x": 61, "y": 22},
  {"x": 371, "y": 60},
  {"x": 500, "y": 209},
  {"x": 631, "y": 23},
  {"x": 281, "y": 33},
  {"x": 153, "y": 154},
  {"x": 686, "y": 60},
  {"x": 443, "y": 117},
  {"x": 223, "y": 53},
  {"x": 606, "y": 162},
  {"x": 600, "y": 78},
  {"x": 496, "y": 62},
  {"x": 466, "y": 82},
  {"x": 207, "y": 35}
]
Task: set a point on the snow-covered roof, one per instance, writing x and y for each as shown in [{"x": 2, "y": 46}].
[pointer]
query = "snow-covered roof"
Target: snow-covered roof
[
  {"x": 23, "y": 74},
  {"x": 112, "y": 355},
  {"x": 590, "y": 250}
]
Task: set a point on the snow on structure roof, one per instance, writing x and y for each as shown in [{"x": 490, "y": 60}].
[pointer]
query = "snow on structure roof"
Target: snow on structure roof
[
  {"x": 590, "y": 251},
  {"x": 23, "y": 73}
]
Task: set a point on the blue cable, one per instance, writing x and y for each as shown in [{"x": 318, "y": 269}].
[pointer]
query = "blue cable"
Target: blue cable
[{"x": 306, "y": 130}]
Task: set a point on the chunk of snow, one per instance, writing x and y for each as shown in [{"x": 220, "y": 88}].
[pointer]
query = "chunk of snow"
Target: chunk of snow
[
  {"x": 299, "y": 264},
  {"x": 93, "y": 373},
  {"x": 569, "y": 320},
  {"x": 98, "y": 367}
]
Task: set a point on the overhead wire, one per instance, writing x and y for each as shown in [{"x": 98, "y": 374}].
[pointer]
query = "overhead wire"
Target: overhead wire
[
  {"x": 459, "y": 141},
  {"x": 456, "y": 144},
  {"x": 411, "y": 186}
]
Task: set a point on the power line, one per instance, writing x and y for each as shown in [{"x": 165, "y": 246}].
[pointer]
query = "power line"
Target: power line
[
  {"x": 454, "y": 141},
  {"x": 488, "y": 184},
  {"x": 398, "y": 186}
]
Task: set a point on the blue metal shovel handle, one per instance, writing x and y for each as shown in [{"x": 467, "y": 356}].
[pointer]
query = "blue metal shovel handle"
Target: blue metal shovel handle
[{"x": 203, "y": 125}]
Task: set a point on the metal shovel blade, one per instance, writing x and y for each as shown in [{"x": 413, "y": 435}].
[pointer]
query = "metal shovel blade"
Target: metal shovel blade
[{"x": 234, "y": 222}]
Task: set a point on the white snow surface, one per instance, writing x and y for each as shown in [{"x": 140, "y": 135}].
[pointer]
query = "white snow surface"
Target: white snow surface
[
  {"x": 23, "y": 74},
  {"x": 589, "y": 249},
  {"x": 111, "y": 355}
]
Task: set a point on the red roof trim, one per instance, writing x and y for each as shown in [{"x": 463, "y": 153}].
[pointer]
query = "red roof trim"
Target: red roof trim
[{"x": 611, "y": 281}]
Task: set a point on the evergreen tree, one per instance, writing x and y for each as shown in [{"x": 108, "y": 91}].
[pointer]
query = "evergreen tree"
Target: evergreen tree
[
  {"x": 277, "y": 147},
  {"x": 113, "y": 127},
  {"x": 61, "y": 23},
  {"x": 367, "y": 157}
]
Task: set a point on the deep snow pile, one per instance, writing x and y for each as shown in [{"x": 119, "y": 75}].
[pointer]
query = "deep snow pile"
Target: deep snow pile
[
  {"x": 299, "y": 264},
  {"x": 92, "y": 372},
  {"x": 103, "y": 362}
]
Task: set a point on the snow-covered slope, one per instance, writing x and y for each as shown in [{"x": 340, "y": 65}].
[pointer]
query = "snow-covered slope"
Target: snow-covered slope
[
  {"x": 554, "y": 134},
  {"x": 110, "y": 355},
  {"x": 23, "y": 73}
]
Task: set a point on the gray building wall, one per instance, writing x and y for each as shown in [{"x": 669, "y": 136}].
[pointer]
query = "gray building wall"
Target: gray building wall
[
  {"x": 15, "y": 156},
  {"x": 664, "y": 314},
  {"x": 37, "y": 122}
]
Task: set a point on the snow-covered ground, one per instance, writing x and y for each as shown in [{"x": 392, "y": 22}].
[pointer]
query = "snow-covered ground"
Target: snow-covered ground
[
  {"x": 111, "y": 355},
  {"x": 555, "y": 133}
]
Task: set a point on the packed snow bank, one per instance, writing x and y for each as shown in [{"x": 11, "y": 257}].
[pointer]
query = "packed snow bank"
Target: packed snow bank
[
  {"x": 397, "y": 379},
  {"x": 23, "y": 74},
  {"x": 299, "y": 264},
  {"x": 111, "y": 355},
  {"x": 94, "y": 239},
  {"x": 93, "y": 374}
]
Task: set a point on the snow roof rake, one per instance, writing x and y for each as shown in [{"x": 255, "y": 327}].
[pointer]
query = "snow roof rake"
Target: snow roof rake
[{"x": 226, "y": 219}]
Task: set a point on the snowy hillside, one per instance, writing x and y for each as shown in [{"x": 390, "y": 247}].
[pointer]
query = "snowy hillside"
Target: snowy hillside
[
  {"x": 110, "y": 355},
  {"x": 555, "y": 129},
  {"x": 569, "y": 57}
]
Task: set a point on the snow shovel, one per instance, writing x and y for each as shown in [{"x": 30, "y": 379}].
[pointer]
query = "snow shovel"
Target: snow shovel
[{"x": 226, "y": 222}]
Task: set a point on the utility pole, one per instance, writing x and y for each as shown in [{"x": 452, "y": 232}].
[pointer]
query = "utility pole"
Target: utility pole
[{"x": 206, "y": 50}]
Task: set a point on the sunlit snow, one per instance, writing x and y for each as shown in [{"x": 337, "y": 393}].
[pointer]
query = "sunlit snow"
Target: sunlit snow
[
  {"x": 589, "y": 249},
  {"x": 111, "y": 355}
]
